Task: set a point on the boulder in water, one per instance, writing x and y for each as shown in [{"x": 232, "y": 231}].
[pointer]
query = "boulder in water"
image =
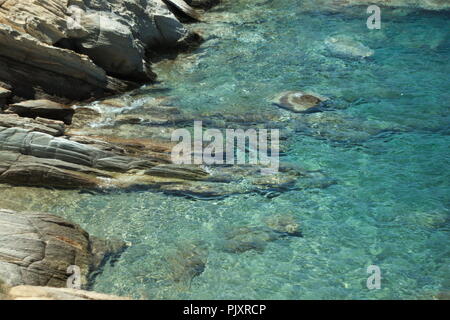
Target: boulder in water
[{"x": 299, "y": 101}]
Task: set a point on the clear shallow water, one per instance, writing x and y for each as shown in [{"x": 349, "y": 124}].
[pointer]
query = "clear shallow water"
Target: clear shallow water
[{"x": 390, "y": 206}]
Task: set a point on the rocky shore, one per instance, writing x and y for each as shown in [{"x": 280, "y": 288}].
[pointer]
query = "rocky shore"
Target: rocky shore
[
  {"x": 58, "y": 55},
  {"x": 63, "y": 51}
]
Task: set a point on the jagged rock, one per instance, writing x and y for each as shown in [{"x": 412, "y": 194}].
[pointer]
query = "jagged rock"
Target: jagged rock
[
  {"x": 346, "y": 47},
  {"x": 49, "y": 293},
  {"x": 54, "y": 71},
  {"x": 178, "y": 172},
  {"x": 37, "y": 249},
  {"x": 51, "y": 127},
  {"x": 299, "y": 101},
  {"x": 52, "y": 40},
  {"x": 42, "y": 108}
]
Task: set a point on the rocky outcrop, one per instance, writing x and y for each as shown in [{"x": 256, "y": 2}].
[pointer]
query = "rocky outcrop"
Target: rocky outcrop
[
  {"x": 43, "y": 109},
  {"x": 51, "y": 127},
  {"x": 49, "y": 293},
  {"x": 50, "y": 47},
  {"x": 41, "y": 152},
  {"x": 38, "y": 248}
]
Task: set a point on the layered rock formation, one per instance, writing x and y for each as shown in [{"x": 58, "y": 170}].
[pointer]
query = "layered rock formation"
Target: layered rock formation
[
  {"x": 38, "y": 248},
  {"x": 50, "y": 47}
]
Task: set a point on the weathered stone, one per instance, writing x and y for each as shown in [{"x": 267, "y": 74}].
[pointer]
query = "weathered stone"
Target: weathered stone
[
  {"x": 84, "y": 116},
  {"x": 187, "y": 262},
  {"x": 299, "y": 101},
  {"x": 244, "y": 239},
  {"x": 49, "y": 293},
  {"x": 42, "y": 108},
  {"x": 52, "y": 40},
  {"x": 51, "y": 127},
  {"x": 55, "y": 71},
  {"x": 284, "y": 223},
  {"x": 37, "y": 249}
]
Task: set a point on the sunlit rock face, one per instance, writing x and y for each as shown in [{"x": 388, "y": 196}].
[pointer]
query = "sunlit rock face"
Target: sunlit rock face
[{"x": 78, "y": 43}]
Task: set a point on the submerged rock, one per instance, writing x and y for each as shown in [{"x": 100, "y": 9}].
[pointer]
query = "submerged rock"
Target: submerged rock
[
  {"x": 346, "y": 47},
  {"x": 37, "y": 249},
  {"x": 187, "y": 262},
  {"x": 299, "y": 101},
  {"x": 256, "y": 238},
  {"x": 284, "y": 223}
]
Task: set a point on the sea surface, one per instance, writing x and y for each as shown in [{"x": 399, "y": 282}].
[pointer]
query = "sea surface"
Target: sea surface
[{"x": 388, "y": 153}]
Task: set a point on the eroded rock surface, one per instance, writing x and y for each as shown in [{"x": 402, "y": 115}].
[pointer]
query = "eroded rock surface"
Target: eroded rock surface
[
  {"x": 37, "y": 249},
  {"x": 51, "y": 47}
]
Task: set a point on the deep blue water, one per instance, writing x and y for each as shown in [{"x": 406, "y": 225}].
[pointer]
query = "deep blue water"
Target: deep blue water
[{"x": 388, "y": 150}]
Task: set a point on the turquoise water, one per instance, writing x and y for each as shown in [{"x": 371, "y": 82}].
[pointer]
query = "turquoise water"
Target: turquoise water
[{"x": 389, "y": 153}]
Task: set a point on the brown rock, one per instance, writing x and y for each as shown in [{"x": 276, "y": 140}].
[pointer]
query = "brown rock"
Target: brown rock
[
  {"x": 51, "y": 127},
  {"x": 44, "y": 109},
  {"x": 299, "y": 101},
  {"x": 37, "y": 249}
]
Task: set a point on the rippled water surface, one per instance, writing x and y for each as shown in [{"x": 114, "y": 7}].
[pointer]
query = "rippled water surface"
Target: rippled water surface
[{"x": 389, "y": 207}]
